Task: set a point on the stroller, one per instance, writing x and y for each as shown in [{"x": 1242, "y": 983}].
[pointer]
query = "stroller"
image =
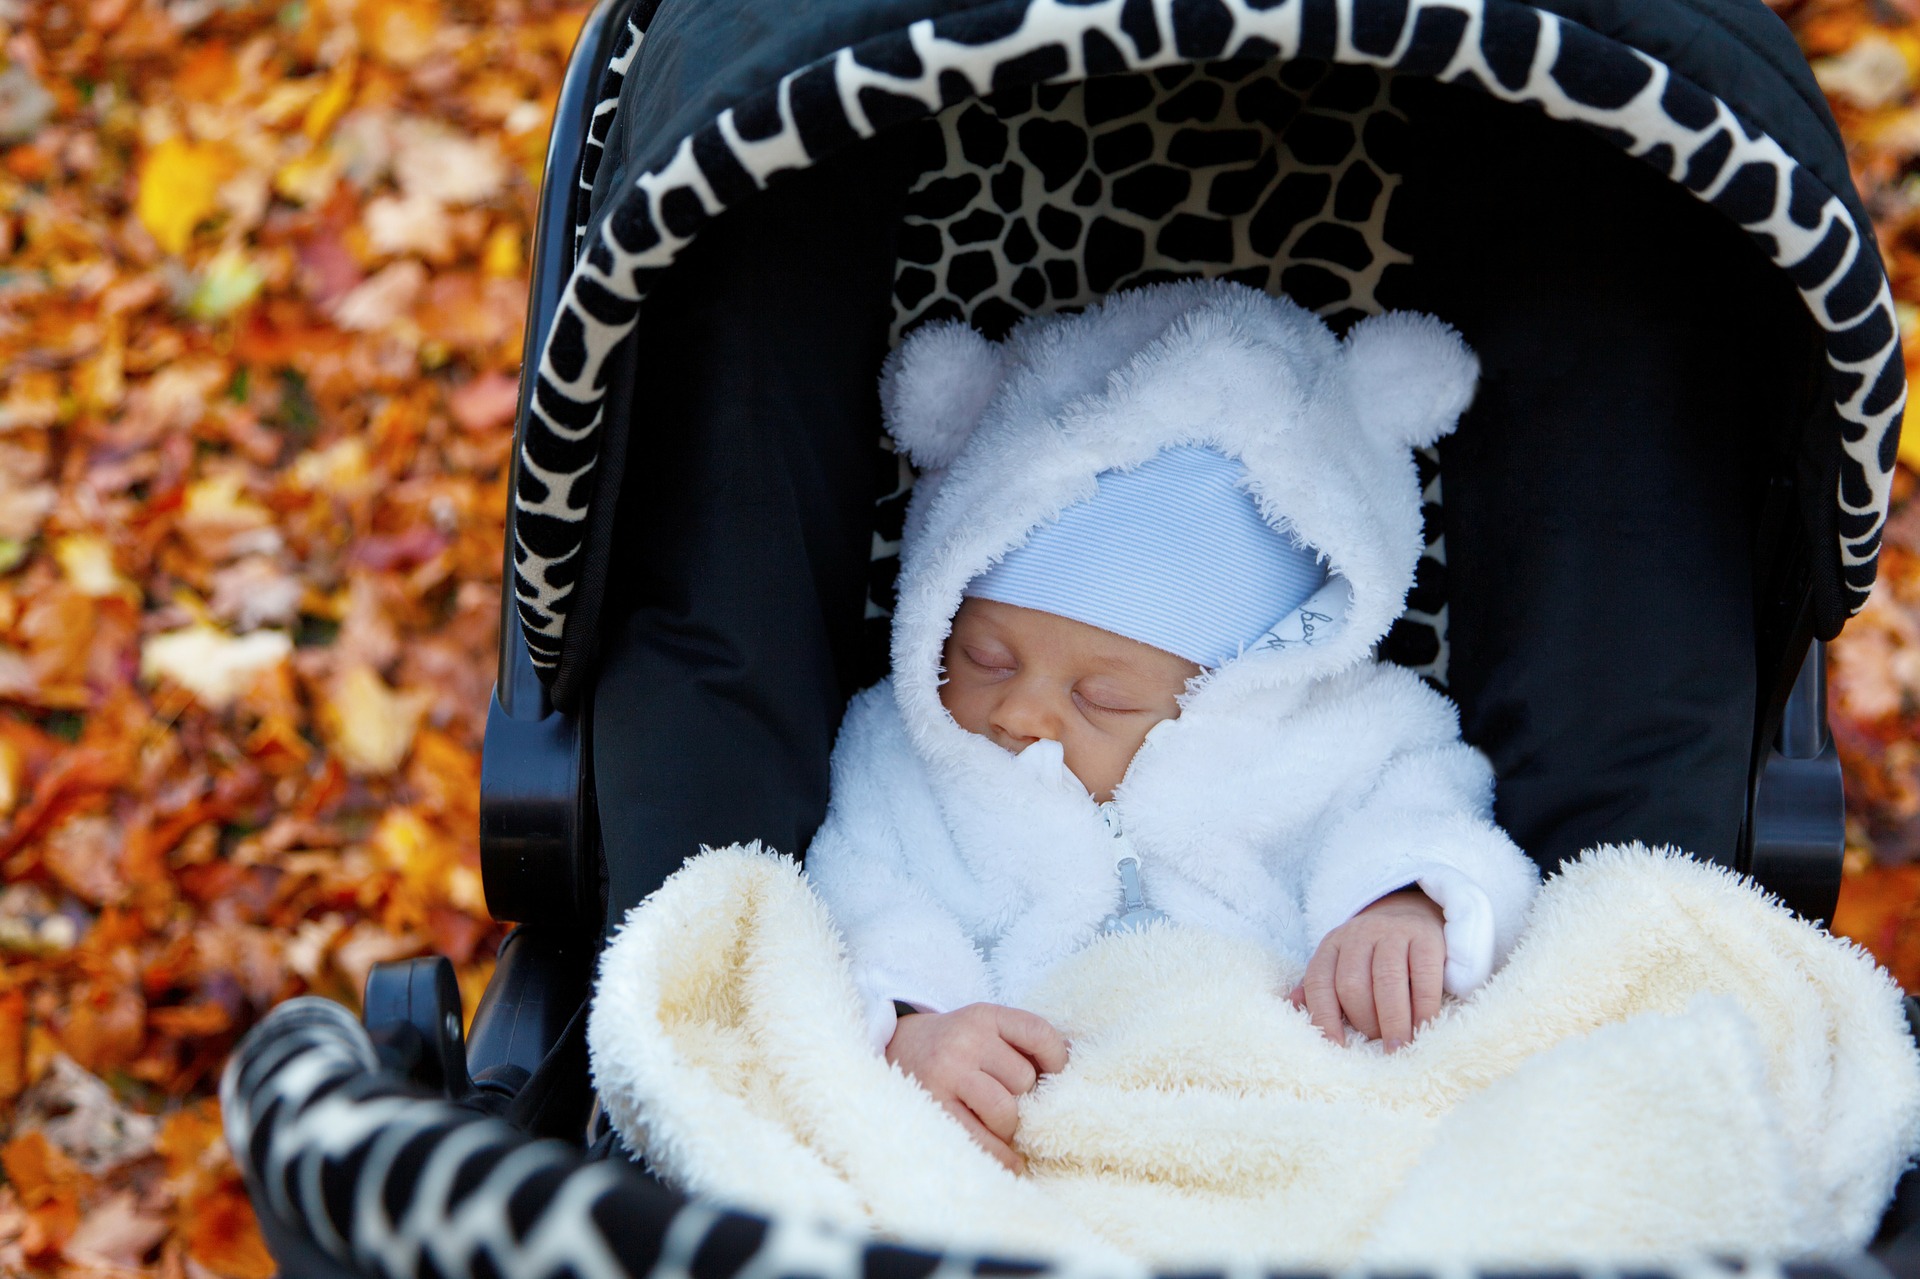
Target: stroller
[{"x": 1669, "y": 491}]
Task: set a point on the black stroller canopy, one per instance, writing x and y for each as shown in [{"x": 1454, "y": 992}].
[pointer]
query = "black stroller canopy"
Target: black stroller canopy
[{"x": 726, "y": 97}]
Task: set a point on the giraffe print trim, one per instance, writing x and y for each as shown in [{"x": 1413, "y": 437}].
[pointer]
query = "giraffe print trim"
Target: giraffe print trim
[
  {"x": 613, "y": 79},
  {"x": 1502, "y": 47}
]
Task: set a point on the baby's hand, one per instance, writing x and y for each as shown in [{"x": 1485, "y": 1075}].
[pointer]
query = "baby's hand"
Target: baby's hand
[
  {"x": 1383, "y": 969},
  {"x": 975, "y": 1061}
]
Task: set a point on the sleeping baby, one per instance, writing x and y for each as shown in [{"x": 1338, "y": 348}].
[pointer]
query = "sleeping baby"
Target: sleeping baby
[{"x": 1149, "y": 556}]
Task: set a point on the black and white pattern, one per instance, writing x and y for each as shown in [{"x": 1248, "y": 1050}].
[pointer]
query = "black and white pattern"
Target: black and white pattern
[
  {"x": 401, "y": 1186},
  {"x": 1038, "y": 199},
  {"x": 1052, "y": 197},
  {"x": 606, "y": 104},
  {"x": 1502, "y": 47},
  {"x": 396, "y": 1185}
]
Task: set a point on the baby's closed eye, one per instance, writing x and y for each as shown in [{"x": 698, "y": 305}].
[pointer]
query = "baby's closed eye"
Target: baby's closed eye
[
  {"x": 1109, "y": 701},
  {"x": 987, "y": 659}
]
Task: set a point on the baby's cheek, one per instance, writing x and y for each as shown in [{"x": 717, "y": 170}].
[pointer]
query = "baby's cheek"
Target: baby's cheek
[
  {"x": 968, "y": 711},
  {"x": 1100, "y": 762}
]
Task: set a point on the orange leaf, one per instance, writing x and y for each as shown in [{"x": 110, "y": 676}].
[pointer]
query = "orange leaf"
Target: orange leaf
[
  {"x": 39, "y": 1170},
  {"x": 1880, "y": 908},
  {"x": 188, "y": 1136},
  {"x": 49, "y": 1185},
  {"x": 30, "y": 162},
  {"x": 191, "y": 1021},
  {"x": 50, "y": 1226},
  {"x": 206, "y": 70},
  {"x": 13, "y": 1044},
  {"x": 401, "y": 32},
  {"x": 77, "y": 777},
  {"x": 223, "y": 1236},
  {"x": 106, "y": 1025}
]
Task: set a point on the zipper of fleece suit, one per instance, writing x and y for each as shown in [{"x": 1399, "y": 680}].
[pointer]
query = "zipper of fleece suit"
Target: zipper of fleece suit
[{"x": 1134, "y": 913}]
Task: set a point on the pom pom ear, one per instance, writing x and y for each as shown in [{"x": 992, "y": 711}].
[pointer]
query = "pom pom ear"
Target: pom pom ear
[
  {"x": 935, "y": 386},
  {"x": 1412, "y": 377}
]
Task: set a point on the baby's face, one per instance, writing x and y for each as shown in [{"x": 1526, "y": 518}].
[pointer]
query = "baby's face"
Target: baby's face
[{"x": 1016, "y": 675}]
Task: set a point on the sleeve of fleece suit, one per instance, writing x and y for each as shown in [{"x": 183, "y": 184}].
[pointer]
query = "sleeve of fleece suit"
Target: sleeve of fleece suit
[
  {"x": 1428, "y": 820},
  {"x": 872, "y": 865}
]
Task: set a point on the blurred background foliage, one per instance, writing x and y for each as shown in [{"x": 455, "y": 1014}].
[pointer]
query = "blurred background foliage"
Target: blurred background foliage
[
  {"x": 262, "y": 279},
  {"x": 1866, "y": 55}
]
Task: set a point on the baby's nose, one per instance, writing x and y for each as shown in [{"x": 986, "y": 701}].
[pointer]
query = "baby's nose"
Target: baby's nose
[
  {"x": 1021, "y": 721},
  {"x": 1015, "y": 742}
]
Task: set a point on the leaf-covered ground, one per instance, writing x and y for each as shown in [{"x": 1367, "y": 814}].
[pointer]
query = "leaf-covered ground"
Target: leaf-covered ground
[
  {"x": 261, "y": 293},
  {"x": 1867, "y": 57}
]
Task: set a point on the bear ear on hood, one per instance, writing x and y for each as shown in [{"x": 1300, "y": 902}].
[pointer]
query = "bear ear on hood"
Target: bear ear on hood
[
  {"x": 1412, "y": 376},
  {"x": 934, "y": 387}
]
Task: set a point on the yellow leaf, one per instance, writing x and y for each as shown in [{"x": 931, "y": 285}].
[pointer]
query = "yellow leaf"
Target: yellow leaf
[
  {"x": 1910, "y": 434},
  {"x": 33, "y": 400},
  {"x": 179, "y": 188},
  {"x": 13, "y": 771},
  {"x": 310, "y": 179},
  {"x": 215, "y": 667},
  {"x": 342, "y": 469},
  {"x": 401, "y": 32},
  {"x": 503, "y": 257},
  {"x": 230, "y": 281},
  {"x": 369, "y": 726},
  {"x": 219, "y": 501},
  {"x": 409, "y": 847},
  {"x": 333, "y": 99},
  {"x": 87, "y": 562},
  {"x": 101, "y": 382},
  {"x": 288, "y": 99}
]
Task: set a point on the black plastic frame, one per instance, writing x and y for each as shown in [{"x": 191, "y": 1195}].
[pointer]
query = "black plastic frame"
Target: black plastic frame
[{"x": 539, "y": 843}]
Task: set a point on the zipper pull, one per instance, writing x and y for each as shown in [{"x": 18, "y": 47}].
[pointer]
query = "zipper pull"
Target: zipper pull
[{"x": 1134, "y": 913}]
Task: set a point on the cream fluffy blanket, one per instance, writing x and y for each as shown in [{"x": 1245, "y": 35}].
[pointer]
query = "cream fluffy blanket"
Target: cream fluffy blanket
[{"x": 1668, "y": 1063}]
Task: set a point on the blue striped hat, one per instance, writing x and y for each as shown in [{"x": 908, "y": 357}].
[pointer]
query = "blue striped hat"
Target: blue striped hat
[{"x": 1172, "y": 553}]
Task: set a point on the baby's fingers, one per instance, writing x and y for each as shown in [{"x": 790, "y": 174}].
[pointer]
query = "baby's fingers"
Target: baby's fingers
[
  {"x": 991, "y": 1102},
  {"x": 1013, "y": 1069},
  {"x": 1318, "y": 995},
  {"x": 1035, "y": 1036},
  {"x": 985, "y": 1140},
  {"x": 1353, "y": 980},
  {"x": 1392, "y": 998},
  {"x": 1427, "y": 960}
]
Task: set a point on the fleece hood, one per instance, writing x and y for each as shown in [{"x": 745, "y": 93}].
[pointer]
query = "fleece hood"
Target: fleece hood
[
  {"x": 1008, "y": 435},
  {"x": 1301, "y": 780}
]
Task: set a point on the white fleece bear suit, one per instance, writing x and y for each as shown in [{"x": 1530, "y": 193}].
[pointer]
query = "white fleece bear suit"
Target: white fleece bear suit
[{"x": 1302, "y": 780}]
